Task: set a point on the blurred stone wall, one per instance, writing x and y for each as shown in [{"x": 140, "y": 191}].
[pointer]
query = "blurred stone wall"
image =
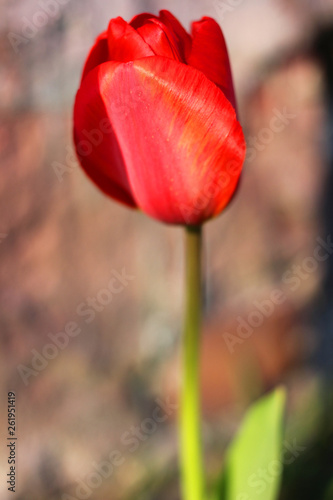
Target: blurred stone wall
[{"x": 62, "y": 241}]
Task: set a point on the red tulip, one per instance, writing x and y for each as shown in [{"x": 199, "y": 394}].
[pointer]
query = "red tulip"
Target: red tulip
[{"x": 155, "y": 123}]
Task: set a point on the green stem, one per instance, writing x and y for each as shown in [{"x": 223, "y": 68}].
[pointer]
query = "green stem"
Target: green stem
[{"x": 192, "y": 480}]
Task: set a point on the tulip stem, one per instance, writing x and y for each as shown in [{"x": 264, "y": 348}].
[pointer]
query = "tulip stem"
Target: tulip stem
[{"x": 192, "y": 480}]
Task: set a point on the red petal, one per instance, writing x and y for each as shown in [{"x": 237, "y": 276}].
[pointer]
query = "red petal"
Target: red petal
[
  {"x": 159, "y": 39},
  {"x": 125, "y": 44},
  {"x": 182, "y": 39},
  {"x": 181, "y": 142},
  {"x": 141, "y": 19},
  {"x": 209, "y": 54},
  {"x": 96, "y": 144},
  {"x": 98, "y": 54}
]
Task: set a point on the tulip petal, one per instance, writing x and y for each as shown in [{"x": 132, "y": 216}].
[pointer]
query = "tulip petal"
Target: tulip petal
[
  {"x": 141, "y": 19},
  {"x": 182, "y": 39},
  {"x": 98, "y": 54},
  {"x": 159, "y": 39},
  {"x": 169, "y": 23},
  {"x": 209, "y": 54},
  {"x": 104, "y": 183},
  {"x": 181, "y": 143},
  {"x": 95, "y": 142},
  {"x": 125, "y": 43}
]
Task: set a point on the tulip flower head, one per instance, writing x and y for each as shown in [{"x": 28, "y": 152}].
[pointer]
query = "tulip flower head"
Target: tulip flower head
[{"x": 155, "y": 122}]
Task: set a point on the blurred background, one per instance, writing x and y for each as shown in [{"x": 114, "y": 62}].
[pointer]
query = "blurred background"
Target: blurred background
[{"x": 87, "y": 399}]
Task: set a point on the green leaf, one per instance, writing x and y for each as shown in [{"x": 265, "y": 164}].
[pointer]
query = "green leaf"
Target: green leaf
[{"x": 253, "y": 465}]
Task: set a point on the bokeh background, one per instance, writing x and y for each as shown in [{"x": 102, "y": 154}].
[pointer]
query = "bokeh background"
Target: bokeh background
[{"x": 61, "y": 241}]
